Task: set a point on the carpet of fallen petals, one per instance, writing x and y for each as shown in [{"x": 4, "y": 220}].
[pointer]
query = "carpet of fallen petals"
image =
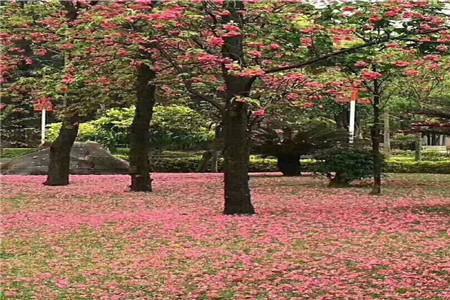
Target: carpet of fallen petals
[{"x": 95, "y": 240}]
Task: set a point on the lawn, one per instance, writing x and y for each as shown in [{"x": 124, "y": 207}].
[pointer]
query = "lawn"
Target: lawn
[{"x": 95, "y": 240}]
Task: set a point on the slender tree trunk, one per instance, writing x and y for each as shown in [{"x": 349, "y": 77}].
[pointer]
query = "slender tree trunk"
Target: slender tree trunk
[
  {"x": 236, "y": 160},
  {"x": 386, "y": 134},
  {"x": 215, "y": 161},
  {"x": 418, "y": 147},
  {"x": 289, "y": 165},
  {"x": 59, "y": 157},
  {"x": 376, "y": 140},
  {"x": 139, "y": 130},
  {"x": 203, "y": 165}
]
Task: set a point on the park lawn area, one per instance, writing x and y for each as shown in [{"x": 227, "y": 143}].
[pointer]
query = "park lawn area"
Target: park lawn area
[{"x": 95, "y": 240}]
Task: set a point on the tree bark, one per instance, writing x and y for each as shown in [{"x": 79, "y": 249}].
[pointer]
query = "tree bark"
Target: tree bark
[
  {"x": 418, "y": 147},
  {"x": 289, "y": 165},
  {"x": 203, "y": 165},
  {"x": 235, "y": 121},
  {"x": 376, "y": 140},
  {"x": 236, "y": 160},
  {"x": 59, "y": 157},
  {"x": 338, "y": 180},
  {"x": 215, "y": 161},
  {"x": 139, "y": 131},
  {"x": 386, "y": 134}
]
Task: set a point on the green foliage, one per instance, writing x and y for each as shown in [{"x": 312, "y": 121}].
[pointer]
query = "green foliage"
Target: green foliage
[
  {"x": 87, "y": 132},
  {"x": 437, "y": 167},
  {"x": 292, "y": 133},
  {"x": 179, "y": 127},
  {"x": 435, "y": 155},
  {"x": 425, "y": 156},
  {"x": 174, "y": 127},
  {"x": 404, "y": 142},
  {"x": 348, "y": 164}
]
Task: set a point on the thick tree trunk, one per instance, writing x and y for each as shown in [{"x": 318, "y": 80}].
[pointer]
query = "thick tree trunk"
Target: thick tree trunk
[
  {"x": 235, "y": 123},
  {"x": 236, "y": 160},
  {"x": 139, "y": 130},
  {"x": 376, "y": 140},
  {"x": 289, "y": 165},
  {"x": 59, "y": 157}
]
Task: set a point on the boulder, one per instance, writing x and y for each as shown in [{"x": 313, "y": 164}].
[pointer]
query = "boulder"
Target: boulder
[{"x": 85, "y": 158}]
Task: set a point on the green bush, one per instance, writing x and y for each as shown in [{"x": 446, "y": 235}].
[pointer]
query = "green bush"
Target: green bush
[
  {"x": 178, "y": 127},
  {"x": 435, "y": 155},
  {"x": 404, "y": 142},
  {"x": 437, "y": 167},
  {"x": 174, "y": 127},
  {"x": 426, "y": 156},
  {"x": 176, "y": 161},
  {"x": 344, "y": 165},
  {"x": 86, "y": 132}
]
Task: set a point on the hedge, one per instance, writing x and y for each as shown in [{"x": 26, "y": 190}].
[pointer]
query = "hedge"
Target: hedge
[
  {"x": 190, "y": 164},
  {"x": 177, "y": 162},
  {"x": 423, "y": 166}
]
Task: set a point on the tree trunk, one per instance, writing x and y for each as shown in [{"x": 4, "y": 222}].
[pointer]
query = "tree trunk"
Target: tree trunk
[
  {"x": 418, "y": 147},
  {"x": 376, "y": 139},
  {"x": 203, "y": 165},
  {"x": 289, "y": 165},
  {"x": 338, "y": 180},
  {"x": 215, "y": 161},
  {"x": 139, "y": 130},
  {"x": 59, "y": 157},
  {"x": 235, "y": 120},
  {"x": 236, "y": 160},
  {"x": 386, "y": 134}
]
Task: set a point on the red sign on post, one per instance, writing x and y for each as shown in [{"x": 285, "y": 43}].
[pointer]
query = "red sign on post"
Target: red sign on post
[{"x": 44, "y": 104}]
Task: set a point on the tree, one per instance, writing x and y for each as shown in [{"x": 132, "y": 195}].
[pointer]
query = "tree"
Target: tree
[
  {"x": 248, "y": 42},
  {"x": 403, "y": 28},
  {"x": 290, "y": 133}
]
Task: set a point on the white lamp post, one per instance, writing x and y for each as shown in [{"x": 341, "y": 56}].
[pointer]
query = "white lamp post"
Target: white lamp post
[
  {"x": 351, "y": 126},
  {"x": 43, "y": 105},
  {"x": 43, "y": 117}
]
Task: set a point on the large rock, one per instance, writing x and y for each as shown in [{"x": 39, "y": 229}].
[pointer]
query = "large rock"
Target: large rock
[{"x": 85, "y": 158}]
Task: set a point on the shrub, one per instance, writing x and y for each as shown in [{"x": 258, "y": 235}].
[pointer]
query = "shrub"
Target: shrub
[
  {"x": 86, "y": 132},
  {"x": 437, "y": 167},
  {"x": 174, "y": 127},
  {"x": 179, "y": 127},
  {"x": 435, "y": 155},
  {"x": 344, "y": 165},
  {"x": 404, "y": 142},
  {"x": 176, "y": 161}
]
